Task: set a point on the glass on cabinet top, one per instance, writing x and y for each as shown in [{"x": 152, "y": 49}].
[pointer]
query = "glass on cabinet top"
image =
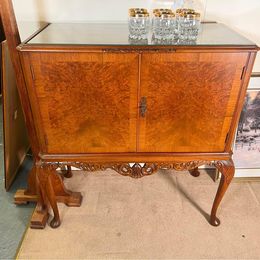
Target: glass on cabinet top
[
  {"x": 27, "y": 28},
  {"x": 117, "y": 34}
]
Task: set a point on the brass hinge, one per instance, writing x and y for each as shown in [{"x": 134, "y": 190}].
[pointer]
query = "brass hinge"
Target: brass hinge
[
  {"x": 32, "y": 72},
  {"x": 243, "y": 73}
]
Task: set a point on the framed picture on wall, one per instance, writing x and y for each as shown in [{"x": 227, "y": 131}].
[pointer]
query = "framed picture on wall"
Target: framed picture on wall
[{"x": 246, "y": 150}]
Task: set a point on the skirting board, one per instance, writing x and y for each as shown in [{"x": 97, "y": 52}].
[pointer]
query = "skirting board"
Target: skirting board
[{"x": 246, "y": 173}]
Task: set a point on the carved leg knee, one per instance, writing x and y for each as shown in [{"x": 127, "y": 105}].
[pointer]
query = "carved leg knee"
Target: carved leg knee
[{"x": 227, "y": 170}]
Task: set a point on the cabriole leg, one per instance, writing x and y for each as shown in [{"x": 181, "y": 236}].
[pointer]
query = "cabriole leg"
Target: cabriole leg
[
  {"x": 227, "y": 171},
  {"x": 55, "y": 222},
  {"x": 45, "y": 177}
]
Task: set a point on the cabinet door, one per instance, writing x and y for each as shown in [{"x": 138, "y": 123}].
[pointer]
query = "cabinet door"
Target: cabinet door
[
  {"x": 85, "y": 102},
  {"x": 190, "y": 100}
]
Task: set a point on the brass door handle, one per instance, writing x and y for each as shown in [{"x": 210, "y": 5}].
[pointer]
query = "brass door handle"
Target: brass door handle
[{"x": 143, "y": 106}]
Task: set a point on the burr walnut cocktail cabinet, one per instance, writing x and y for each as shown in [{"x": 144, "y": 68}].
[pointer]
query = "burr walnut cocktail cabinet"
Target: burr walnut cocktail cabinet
[{"x": 99, "y": 101}]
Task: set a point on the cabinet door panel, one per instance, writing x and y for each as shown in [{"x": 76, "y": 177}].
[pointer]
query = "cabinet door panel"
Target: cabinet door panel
[
  {"x": 86, "y": 102},
  {"x": 191, "y": 98}
]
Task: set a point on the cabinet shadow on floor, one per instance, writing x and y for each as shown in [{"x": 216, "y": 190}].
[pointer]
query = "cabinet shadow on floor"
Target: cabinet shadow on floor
[{"x": 185, "y": 193}]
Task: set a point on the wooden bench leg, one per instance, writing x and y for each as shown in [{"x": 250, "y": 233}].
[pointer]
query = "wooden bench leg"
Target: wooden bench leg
[
  {"x": 227, "y": 170},
  {"x": 63, "y": 195},
  {"x": 41, "y": 213},
  {"x": 50, "y": 190},
  {"x": 71, "y": 199},
  {"x": 23, "y": 196}
]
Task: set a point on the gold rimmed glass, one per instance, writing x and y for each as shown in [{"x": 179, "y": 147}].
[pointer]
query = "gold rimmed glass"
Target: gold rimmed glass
[
  {"x": 164, "y": 24},
  {"x": 188, "y": 25},
  {"x": 138, "y": 23}
]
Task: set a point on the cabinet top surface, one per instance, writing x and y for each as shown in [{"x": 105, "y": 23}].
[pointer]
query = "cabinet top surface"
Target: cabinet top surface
[{"x": 116, "y": 34}]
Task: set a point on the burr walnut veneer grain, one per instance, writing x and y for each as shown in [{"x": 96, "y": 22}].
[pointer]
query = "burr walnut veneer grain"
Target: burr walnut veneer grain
[{"x": 100, "y": 93}]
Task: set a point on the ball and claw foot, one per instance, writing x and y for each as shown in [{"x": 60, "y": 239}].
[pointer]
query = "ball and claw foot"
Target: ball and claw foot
[{"x": 55, "y": 223}]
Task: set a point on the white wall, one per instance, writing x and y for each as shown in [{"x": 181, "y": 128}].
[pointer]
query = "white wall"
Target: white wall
[
  {"x": 82, "y": 10},
  {"x": 243, "y": 16}
]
